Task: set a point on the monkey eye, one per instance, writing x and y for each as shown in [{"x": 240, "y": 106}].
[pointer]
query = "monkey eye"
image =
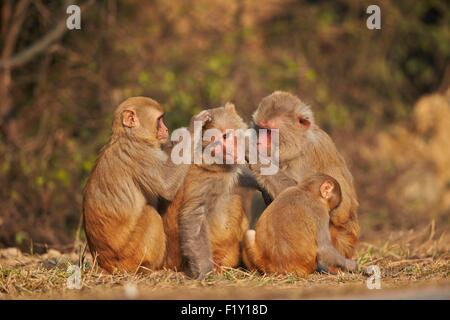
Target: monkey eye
[
  {"x": 226, "y": 135},
  {"x": 160, "y": 120}
]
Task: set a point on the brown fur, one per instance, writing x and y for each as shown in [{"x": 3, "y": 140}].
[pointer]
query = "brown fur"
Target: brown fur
[
  {"x": 225, "y": 236},
  {"x": 288, "y": 232},
  {"x": 305, "y": 149},
  {"x": 205, "y": 222},
  {"x": 123, "y": 227}
]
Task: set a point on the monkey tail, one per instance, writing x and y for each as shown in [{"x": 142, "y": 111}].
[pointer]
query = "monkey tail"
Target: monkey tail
[{"x": 252, "y": 255}]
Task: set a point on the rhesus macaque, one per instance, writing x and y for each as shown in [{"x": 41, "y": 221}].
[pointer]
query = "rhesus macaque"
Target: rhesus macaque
[
  {"x": 292, "y": 234},
  {"x": 252, "y": 195},
  {"x": 305, "y": 149},
  {"x": 205, "y": 223},
  {"x": 123, "y": 227}
]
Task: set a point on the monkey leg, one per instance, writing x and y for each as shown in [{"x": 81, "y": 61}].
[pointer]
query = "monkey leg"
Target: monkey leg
[
  {"x": 327, "y": 255},
  {"x": 129, "y": 245},
  {"x": 345, "y": 237},
  {"x": 170, "y": 218},
  {"x": 243, "y": 228},
  {"x": 244, "y": 257},
  {"x": 252, "y": 255},
  {"x": 147, "y": 242},
  {"x": 225, "y": 255},
  {"x": 282, "y": 248},
  {"x": 246, "y": 260},
  {"x": 195, "y": 245},
  {"x": 226, "y": 232}
]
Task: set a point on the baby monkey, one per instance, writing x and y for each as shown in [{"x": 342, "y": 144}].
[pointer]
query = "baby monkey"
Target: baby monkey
[
  {"x": 205, "y": 223},
  {"x": 292, "y": 235}
]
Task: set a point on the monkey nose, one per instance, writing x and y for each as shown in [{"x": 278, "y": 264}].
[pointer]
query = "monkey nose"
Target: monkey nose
[
  {"x": 267, "y": 124},
  {"x": 262, "y": 123}
]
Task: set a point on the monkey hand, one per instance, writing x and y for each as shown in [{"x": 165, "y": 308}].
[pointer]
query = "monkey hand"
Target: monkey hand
[
  {"x": 203, "y": 117},
  {"x": 330, "y": 260},
  {"x": 351, "y": 265}
]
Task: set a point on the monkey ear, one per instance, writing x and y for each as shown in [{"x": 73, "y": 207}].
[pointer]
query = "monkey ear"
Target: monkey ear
[
  {"x": 230, "y": 107},
  {"x": 130, "y": 119},
  {"x": 304, "y": 122},
  {"x": 326, "y": 189}
]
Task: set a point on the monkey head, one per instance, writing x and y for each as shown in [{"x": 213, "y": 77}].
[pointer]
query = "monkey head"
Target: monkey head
[
  {"x": 141, "y": 118},
  {"x": 328, "y": 188},
  {"x": 284, "y": 111},
  {"x": 225, "y": 120},
  {"x": 330, "y": 191},
  {"x": 325, "y": 187}
]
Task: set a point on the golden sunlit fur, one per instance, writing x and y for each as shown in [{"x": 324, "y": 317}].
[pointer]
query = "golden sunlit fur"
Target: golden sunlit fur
[
  {"x": 226, "y": 230},
  {"x": 206, "y": 221},
  {"x": 123, "y": 227},
  {"x": 306, "y": 149},
  {"x": 289, "y": 230}
]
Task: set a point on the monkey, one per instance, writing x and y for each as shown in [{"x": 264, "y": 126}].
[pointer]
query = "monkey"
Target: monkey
[
  {"x": 205, "y": 223},
  {"x": 305, "y": 149},
  {"x": 290, "y": 235},
  {"x": 123, "y": 227},
  {"x": 254, "y": 198}
]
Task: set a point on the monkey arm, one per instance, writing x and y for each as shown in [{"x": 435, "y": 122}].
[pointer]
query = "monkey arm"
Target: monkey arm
[
  {"x": 327, "y": 255},
  {"x": 174, "y": 175},
  {"x": 159, "y": 176},
  {"x": 247, "y": 179},
  {"x": 275, "y": 184},
  {"x": 171, "y": 179},
  {"x": 203, "y": 117},
  {"x": 164, "y": 178}
]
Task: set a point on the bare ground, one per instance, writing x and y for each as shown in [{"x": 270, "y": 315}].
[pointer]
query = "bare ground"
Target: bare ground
[{"x": 413, "y": 264}]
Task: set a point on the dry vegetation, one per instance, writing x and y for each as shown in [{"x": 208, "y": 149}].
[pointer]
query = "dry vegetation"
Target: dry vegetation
[
  {"x": 414, "y": 264},
  {"x": 383, "y": 96}
]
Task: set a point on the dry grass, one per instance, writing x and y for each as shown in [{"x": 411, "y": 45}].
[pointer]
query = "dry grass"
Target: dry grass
[{"x": 415, "y": 261}]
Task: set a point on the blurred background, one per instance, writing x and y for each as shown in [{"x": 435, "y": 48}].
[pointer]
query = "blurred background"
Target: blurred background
[{"x": 383, "y": 95}]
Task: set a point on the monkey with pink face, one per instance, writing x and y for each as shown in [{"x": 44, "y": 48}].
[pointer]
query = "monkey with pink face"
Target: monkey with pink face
[
  {"x": 132, "y": 173},
  {"x": 304, "y": 150}
]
